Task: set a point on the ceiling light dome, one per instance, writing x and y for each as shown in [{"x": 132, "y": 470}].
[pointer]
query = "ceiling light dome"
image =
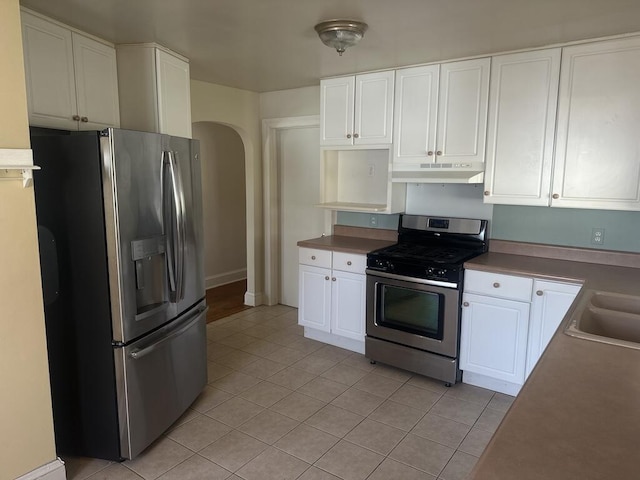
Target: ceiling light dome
[{"x": 341, "y": 34}]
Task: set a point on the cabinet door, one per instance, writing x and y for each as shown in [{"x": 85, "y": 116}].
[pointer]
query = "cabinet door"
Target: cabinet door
[
  {"x": 522, "y": 119},
  {"x": 551, "y": 301},
  {"x": 174, "y": 95},
  {"x": 314, "y": 305},
  {"x": 416, "y": 104},
  {"x": 597, "y": 163},
  {"x": 373, "y": 116},
  {"x": 348, "y": 305},
  {"x": 48, "y": 61},
  {"x": 462, "y": 111},
  {"x": 336, "y": 111},
  {"x": 96, "y": 83},
  {"x": 493, "y": 340}
]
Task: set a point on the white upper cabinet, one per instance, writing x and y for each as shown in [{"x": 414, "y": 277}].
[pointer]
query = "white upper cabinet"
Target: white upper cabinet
[
  {"x": 597, "y": 162},
  {"x": 71, "y": 78},
  {"x": 357, "y": 110},
  {"x": 416, "y": 110},
  {"x": 96, "y": 83},
  {"x": 522, "y": 113},
  {"x": 174, "y": 94},
  {"x": 155, "y": 89},
  {"x": 441, "y": 113}
]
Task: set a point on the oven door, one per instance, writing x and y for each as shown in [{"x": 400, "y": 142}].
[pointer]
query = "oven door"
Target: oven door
[{"x": 411, "y": 312}]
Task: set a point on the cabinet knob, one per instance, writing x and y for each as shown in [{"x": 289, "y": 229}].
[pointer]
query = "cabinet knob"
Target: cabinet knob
[
  {"x": 313, "y": 257},
  {"x": 496, "y": 285},
  {"x": 430, "y": 153},
  {"x": 333, "y": 279},
  {"x": 355, "y": 135},
  {"x": 76, "y": 118},
  {"x": 84, "y": 119},
  {"x": 348, "y": 135},
  {"x": 487, "y": 193},
  {"x": 349, "y": 263},
  {"x": 326, "y": 278},
  {"x": 439, "y": 152},
  {"x": 555, "y": 196},
  {"x": 465, "y": 304},
  {"x": 539, "y": 293}
]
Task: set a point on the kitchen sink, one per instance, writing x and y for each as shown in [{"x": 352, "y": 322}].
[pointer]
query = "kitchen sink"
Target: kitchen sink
[{"x": 607, "y": 318}]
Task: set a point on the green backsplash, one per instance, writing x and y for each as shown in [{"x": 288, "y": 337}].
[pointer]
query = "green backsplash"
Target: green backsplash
[
  {"x": 354, "y": 219},
  {"x": 555, "y": 226},
  {"x": 567, "y": 226}
]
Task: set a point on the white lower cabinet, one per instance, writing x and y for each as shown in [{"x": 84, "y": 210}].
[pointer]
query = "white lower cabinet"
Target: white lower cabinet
[
  {"x": 549, "y": 305},
  {"x": 332, "y": 297},
  {"x": 493, "y": 342},
  {"x": 507, "y": 322}
]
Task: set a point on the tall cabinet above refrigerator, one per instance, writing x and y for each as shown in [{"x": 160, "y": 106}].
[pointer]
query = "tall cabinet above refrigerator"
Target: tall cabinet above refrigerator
[{"x": 121, "y": 248}]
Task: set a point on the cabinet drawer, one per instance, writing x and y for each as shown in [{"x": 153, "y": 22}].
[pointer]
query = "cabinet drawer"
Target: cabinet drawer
[
  {"x": 349, "y": 262},
  {"x": 497, "y": 285},
  {"x": 315, "y": 257}
]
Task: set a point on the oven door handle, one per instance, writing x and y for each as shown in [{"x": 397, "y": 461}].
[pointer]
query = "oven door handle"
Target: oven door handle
[{"x": 423, "y": 281}]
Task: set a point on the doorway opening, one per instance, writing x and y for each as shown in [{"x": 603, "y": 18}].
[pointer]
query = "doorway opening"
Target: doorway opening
[{"x": 224, "y": 209}]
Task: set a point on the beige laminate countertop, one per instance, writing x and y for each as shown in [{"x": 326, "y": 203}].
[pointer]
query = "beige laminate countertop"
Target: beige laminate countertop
[
  {"x": 578, "y": 414},
  {"x": 348, "y": 244}
]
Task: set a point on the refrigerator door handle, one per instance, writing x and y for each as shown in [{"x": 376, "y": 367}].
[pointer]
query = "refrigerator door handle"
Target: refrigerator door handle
[
  {"x": 182, "y": 227},
  {"x": 188, "y": 322},
  {"x": 175, "y": 238}
]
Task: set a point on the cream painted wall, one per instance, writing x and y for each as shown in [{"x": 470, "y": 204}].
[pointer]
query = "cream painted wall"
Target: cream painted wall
[
  {"x": 240, "y": 109},
  {"x": 224, "y": 203},
  {"x": 296, "y": 102},
  {"x": 26, "y": 423}
]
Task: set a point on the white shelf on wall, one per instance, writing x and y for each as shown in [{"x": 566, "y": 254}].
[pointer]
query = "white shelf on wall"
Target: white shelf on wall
[{"x": 14, "y": 160}]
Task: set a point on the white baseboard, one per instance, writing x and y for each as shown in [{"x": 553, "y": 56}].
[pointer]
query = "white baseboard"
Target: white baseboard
[
  {"x": 483, "y": 381},
  {"x": 253, "y": 299},
  {"x": 335, "y": 340},
  {"x": 224, "y": 278},
  {"x": 51, "y": 471}
]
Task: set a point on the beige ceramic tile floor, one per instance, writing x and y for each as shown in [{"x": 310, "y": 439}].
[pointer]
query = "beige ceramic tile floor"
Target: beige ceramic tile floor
[{"x": 279, "y": 406}]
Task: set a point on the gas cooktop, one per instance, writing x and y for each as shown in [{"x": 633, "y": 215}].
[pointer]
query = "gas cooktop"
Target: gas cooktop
[{"x": 432, "y": 248}]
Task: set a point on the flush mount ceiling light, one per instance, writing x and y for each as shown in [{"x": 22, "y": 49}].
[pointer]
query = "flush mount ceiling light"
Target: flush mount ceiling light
[{"x": 341, "y": 34}]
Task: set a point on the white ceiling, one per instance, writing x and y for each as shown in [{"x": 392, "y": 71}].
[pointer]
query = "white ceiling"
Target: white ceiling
[{"x": 267, "y": 45}]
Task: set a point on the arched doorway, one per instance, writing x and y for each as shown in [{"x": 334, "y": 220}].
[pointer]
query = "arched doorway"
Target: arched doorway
[{"x": 222, "y": 156}]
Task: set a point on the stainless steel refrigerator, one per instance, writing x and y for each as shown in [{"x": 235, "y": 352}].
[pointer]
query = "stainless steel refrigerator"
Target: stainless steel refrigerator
[{"x": 121, "y": 248}]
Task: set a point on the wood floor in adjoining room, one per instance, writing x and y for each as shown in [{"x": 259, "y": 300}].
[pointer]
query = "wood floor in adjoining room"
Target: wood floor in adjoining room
[{"x": 226, "y": 300}]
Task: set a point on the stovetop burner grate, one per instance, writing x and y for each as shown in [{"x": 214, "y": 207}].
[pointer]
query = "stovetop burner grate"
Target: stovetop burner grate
[{"x": 427, "y": 254}]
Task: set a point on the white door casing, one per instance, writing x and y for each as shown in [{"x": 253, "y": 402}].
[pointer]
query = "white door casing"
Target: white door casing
[{"x": 270, "y": 129}]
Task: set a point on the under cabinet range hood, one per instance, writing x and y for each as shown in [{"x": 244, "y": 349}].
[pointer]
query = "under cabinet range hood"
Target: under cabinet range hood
[{"x": 458, "y": 172}]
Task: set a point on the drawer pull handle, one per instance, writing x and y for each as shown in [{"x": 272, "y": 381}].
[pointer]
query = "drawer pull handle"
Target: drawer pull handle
[
  {"x": 326, "y": 278},
  {"x": 349, "y": 263},
  {"x": 313, "y": 257},
  {"x": 465, "y": 304},
  {"x": 496, "y": 285},
  {"x": 539, "y": 293}
]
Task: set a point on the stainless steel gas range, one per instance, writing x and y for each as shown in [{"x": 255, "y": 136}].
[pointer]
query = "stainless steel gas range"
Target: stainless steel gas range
[{"x": 413, "y": 294}]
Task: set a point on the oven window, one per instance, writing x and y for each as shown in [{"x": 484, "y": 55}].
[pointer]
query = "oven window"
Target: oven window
[{"x": 412, "y": 311}]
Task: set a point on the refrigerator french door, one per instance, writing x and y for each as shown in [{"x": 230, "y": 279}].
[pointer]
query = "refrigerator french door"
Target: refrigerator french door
[{"x": 120, "y": 229}]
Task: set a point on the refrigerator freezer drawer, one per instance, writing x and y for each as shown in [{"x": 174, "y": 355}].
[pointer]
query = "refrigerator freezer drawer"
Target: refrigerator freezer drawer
[{"x": 163, "y": 374}]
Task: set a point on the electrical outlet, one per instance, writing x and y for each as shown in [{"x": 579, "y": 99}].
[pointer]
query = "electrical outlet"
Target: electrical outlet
[
  {"x": 597, "y": 236},
  {"x": 373, "y": 220}
]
